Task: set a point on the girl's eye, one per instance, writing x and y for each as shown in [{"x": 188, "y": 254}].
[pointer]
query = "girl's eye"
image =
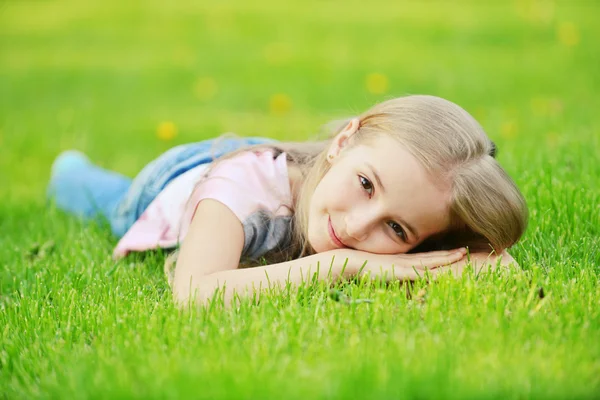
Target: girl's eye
[
  {"x": 366, "y": 184},
  {"x": 398, "y": 230}
]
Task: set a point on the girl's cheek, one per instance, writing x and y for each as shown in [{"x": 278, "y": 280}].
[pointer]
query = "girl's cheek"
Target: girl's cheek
[
  {"x": 388, "y": 245},
  {"x": 355, "y": 194},
  {"x": 356, "y": 187}
]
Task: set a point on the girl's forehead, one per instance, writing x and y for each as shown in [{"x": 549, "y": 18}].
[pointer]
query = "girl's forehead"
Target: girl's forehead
[
  {"x": 384, "y": 150},
  {"x": 393, "y": 156}
]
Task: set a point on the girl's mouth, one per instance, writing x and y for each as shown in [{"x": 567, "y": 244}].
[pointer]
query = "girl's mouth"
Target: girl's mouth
[{"x": 334, "y": 238}]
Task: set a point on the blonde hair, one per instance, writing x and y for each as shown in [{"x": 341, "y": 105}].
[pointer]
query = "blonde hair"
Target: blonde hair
[{"x": 487, "y": 210}]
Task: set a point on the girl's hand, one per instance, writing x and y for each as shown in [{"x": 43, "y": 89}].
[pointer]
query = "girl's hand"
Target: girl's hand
[
  {"x": 480, "y": 262},
  {"x": 408, "y": 266}
]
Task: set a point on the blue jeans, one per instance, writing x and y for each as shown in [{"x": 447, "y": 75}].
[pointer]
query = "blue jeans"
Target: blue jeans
[{"x": 81, "y": 188}]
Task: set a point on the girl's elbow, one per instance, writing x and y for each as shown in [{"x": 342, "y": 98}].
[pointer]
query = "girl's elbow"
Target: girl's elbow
[{"x": 181, "y": 298}]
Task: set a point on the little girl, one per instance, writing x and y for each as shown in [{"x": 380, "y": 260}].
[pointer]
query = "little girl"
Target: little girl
[{"x": 402, "y": 188}]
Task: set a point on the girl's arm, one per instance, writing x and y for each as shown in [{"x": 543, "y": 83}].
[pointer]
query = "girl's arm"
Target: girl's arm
[{"x": 210, "y": 255}]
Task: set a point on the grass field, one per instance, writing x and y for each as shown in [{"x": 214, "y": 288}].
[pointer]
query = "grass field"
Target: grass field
[{"x": 123, "y": 81}]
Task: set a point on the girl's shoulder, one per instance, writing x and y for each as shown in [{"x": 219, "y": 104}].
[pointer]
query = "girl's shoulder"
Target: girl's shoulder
[
  {"x": 270, "y": 164},
  {"x": 247, "y": 182}
]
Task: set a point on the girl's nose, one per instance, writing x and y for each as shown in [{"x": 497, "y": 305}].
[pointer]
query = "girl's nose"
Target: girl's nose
[{"x": 358, "y": 226}]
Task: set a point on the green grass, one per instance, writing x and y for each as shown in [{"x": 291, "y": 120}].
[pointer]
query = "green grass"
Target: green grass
[{"x": 102, "y": 78}]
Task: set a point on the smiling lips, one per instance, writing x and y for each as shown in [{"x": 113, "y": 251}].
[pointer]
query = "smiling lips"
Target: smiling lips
[{"x": 334, "y": 238}]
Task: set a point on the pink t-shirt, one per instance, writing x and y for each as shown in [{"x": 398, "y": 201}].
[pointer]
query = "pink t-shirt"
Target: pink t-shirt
[{"x": 253, "y": 185}]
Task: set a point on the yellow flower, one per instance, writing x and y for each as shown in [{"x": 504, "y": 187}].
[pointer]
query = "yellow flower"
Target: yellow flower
[
  {"x": 377, "y": 83},
  {"x": 205, "y": 88},
  {"x": 166, "y": 130},
  {"x": 568, "y": 34},
  {"x": 280, "y": 104},
  {"x": 509, "y": 129}
]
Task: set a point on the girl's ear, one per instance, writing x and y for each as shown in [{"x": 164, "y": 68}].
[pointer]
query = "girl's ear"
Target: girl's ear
[{"x": 341, "y": 139}]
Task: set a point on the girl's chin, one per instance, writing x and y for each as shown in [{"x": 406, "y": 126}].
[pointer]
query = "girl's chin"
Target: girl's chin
[{"x": 319, "y": 246}]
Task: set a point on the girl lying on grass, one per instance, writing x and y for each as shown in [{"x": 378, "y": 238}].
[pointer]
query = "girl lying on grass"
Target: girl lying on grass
[{"x": 401, "y": 189}]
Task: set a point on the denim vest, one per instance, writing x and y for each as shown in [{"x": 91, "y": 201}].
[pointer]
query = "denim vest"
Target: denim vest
[{"x": 157, "y": 174}]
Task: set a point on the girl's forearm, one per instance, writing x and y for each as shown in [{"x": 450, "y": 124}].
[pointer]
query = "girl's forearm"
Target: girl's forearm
[{"x": 331, "y": 265}]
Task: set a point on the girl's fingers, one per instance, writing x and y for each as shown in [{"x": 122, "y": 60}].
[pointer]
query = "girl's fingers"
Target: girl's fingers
[
  {"x": 442, "y": 260},
  {"x": 440, "y": 253}
]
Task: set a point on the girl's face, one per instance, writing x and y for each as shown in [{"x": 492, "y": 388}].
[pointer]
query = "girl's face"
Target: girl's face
[{"x": 376, "y": 197}]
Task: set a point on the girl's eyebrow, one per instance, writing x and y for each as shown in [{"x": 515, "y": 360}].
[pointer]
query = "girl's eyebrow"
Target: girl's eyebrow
[{"x": 412, "y": 230}]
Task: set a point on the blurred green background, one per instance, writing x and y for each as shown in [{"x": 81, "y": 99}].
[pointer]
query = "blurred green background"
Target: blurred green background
[
  {"x": 104, "y": 77},
  {"x": 125, "y": 80}
]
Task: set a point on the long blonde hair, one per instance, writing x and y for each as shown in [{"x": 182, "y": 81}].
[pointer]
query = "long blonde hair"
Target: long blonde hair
[{"x": 487, "y": 209}]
